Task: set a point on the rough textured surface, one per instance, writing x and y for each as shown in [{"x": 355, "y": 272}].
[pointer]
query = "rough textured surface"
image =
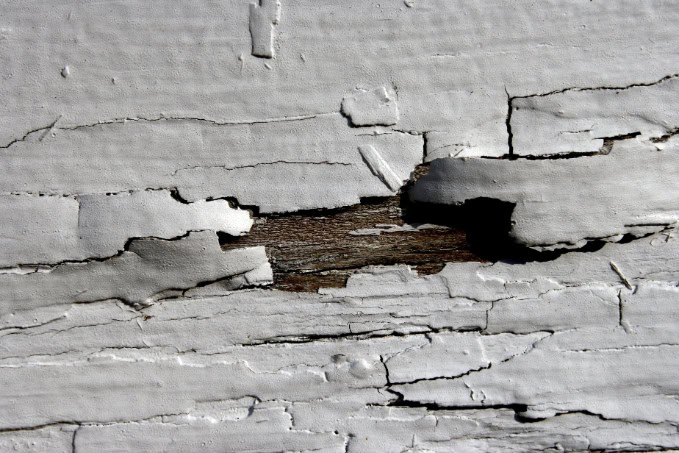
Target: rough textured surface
[
  {"x": 52, "y": 229},
  {"x": 309, "y": 250},
  {"x": 399, "y": 226},
  {"x": 631, "y": 191},
  {"x": 376, "y": 107},
  {"x": 205, "y": 159},
  {"x": 146, "y": 270},
  {"x": 391, "y": 354},
  {"x": 581, "y": 119}
]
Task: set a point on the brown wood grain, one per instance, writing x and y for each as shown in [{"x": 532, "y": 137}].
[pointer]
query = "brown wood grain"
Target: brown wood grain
[{"x": 309, "y": 250}]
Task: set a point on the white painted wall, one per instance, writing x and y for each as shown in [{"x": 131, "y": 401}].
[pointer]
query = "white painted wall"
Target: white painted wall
[{"x": 128, "y": 128}]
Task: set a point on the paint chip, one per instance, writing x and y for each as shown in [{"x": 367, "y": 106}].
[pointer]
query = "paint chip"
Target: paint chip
[
  {"x": 375, "y": 107},
  {"x": 380, "y": 168}
]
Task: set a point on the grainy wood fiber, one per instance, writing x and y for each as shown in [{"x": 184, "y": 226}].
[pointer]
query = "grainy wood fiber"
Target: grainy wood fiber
[{"x": 315, "y": 249}]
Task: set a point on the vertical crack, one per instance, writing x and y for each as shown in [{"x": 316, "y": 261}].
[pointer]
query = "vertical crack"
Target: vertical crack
[
  {"x": 75, "y": 433},
  {"x": 399, "y": 396},
  {"x": 621, "y": 314},
  {"x": 508, "y": 123},
  {"x": 425, "y": 139}
]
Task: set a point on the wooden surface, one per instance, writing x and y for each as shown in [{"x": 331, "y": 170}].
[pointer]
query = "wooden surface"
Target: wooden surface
[{"x": 310, "y": 250}]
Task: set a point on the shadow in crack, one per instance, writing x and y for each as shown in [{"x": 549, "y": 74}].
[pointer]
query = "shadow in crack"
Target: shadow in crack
[
  {"x": 321, "y": 248},
  {"x": 487, "y": 225}
]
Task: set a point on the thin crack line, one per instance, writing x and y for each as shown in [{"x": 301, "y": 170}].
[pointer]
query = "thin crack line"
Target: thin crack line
[
  {"x": 490, "y": 364},
  {"x": 511, "y": 99},
  {"x": 275, "y": 162},
  {"x": 123, "y": 120},
  {"x": 601, "y": 88},
  {"x": 49, "y": 267}
]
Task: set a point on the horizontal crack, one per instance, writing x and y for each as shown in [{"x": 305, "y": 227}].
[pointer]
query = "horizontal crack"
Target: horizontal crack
[
  {"x": 259, "y": 164},
  {"x": 381, "y": 333},
  {"x": 601, "y": 88},
  {"x": 49, "y": 267},
  {"x": 59, "y": 424},
  {"x": 123, "y": 120},
  {"x": 474, "y": 370},
  {"x": 607, "y": 140}
]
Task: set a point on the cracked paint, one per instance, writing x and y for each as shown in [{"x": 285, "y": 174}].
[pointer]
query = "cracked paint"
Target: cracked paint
[
  {"x": 474, "y": 202},
  {"x": 602, "y": 206},
  {"x": 213, "y": 161},
  {"x": 144, "y": 262},
  {"x": 580, "y": 119},
  {"x": 46, "y": 230}
]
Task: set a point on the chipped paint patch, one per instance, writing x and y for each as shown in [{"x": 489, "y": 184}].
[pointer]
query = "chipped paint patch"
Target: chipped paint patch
[
  {"x": 376, "y": 107},
  {"x": 163, "y": 162},
  {"x": 264, "y": 15}
]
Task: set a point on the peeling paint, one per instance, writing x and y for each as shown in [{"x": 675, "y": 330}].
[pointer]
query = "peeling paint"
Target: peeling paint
[{"x": 476, "y": 202}]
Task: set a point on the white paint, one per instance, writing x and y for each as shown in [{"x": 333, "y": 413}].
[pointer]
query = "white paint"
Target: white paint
[
  {"x": 566, "y": 202},
  {"x": 263, "y": 16},
  {"x": 376, "y": 107},
  {"x": 105, "y": 223},
  {"x": 52, "y": 229},
  {"x": 317, "y": 155},
  {"x": 578, "y": 120},
  {"x": 379, "y": 167},
  {"x": 148, "y": 270},
  {"x": 125, "y": 128},
  {"x": 561, "y": 363}
]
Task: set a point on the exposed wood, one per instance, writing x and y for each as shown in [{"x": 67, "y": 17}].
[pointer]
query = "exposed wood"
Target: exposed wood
[
  {"x": 315, "y": 249},
  {"x": 206, "y": 243}
]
